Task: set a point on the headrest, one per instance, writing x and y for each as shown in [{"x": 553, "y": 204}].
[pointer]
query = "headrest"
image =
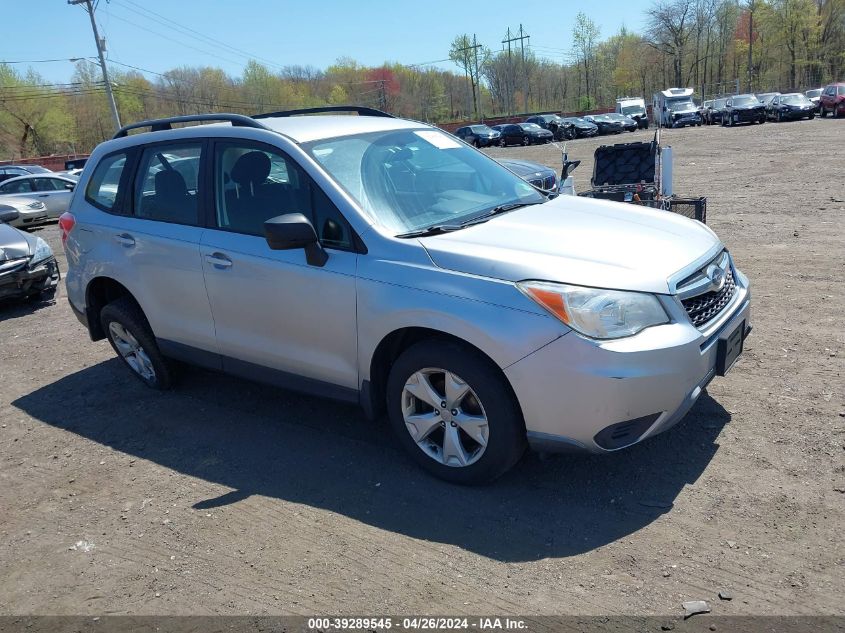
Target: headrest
[
  {"x": 251, "y": 168},
  {"x": 169, "y": 182}
]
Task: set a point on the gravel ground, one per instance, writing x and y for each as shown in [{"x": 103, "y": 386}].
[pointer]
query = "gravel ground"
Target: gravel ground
[{"x": 228, "y": 497}]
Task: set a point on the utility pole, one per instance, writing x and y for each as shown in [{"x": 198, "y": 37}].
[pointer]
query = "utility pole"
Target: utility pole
[
  {"x": 508, "y": 83},
  {"x": 90, "y": 9},
  {"x": 750, "y": 44},
  {"x": 521, "y": 39},
  {"x": 382, "y": 96}
]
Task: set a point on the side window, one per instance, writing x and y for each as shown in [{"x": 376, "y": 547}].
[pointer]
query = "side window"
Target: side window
[
  {"x": 45, "y": 184},
  {"x": 166, "y": 183},
  {"x": 19, "y": 186},
  {"x": 103, "y": 187},
  {"x": 254, "y": 185}
]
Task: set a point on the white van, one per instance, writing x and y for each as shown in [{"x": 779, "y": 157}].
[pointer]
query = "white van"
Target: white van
[
  {"x": 675, "y": 108},
  {"x": 633, "y": 107}
]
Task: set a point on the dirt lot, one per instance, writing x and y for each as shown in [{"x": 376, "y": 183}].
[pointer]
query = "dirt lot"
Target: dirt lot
[{"x": 228, "y": 497}]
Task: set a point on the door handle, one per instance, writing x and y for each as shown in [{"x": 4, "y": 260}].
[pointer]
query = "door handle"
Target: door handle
[
  {"x": 124, "y": 239},
  {"x": 219, "y": 260},
  {"x": 43, "y": 195}
]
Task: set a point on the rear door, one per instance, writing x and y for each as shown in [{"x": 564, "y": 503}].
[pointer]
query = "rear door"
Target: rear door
[
  {"x": 272, "y": 309},
  {"x": 150, "y": 234},
  {"x": 54, "y": 193}
]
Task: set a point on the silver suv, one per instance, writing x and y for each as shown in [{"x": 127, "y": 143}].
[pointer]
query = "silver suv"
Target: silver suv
[{"x": 383, "y": 261}]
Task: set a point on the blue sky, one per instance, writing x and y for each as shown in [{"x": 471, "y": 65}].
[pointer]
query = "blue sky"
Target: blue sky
[{"x": 314, "y": 32}]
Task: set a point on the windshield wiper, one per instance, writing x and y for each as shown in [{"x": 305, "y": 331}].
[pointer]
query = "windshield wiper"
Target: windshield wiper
[
  {"x": 434, "y": 229},
  {"x": 502, "y": 208}
]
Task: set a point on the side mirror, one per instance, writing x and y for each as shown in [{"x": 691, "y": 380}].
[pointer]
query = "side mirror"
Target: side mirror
[
  {"x": 69, "y": 186},
  {"x": 8, "y": 214},
  {"x": 293, "y": 231}
]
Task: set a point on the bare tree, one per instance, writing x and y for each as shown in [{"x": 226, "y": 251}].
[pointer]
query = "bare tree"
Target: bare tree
[
  {"x": 669, "y": 31},
  {"x": 585, "y": 37}
]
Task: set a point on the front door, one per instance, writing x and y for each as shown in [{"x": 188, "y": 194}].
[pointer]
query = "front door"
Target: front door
[{"x": 272, "y": 310}]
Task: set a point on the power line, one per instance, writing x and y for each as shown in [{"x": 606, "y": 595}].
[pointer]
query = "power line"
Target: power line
[
  {"x": 197, "y": 35},
  {"x": 41, "y": 61},
  {"x": 170, "y": 39},
  {"x": 90, "y": 8}
]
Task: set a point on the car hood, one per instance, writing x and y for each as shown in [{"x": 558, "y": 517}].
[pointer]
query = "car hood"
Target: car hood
[
  {"x": 14, "y": 244},
  {"x": 525, "y": 168},
  {"x": 580, "y": 241}
]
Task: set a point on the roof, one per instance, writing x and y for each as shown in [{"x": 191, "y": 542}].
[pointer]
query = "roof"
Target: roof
[{"x": 304, "y": 129}]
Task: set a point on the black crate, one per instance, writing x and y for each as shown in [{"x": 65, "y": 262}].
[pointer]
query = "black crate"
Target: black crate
[{"x": 693, "y": 208}]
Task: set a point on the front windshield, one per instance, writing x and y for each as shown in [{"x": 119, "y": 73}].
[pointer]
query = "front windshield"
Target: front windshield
[
  {"x": 720, "y": 103},
  {"x": 37, "y": 169},
  {"x": 680, "y": 105},
  {"x": 530, "y": 126},
  {"x": 814, "y": 93},
  {"x": 407, "y": 180},
  {"x": 635, "y": 109},
  {"x": 795, "y": 100},
  {"x": 480, "y": 129},
  {"x": 745, "y": 100}
]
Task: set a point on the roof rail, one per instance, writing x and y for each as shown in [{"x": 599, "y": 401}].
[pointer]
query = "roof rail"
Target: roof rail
[
  {"x": 360, "y": 110},
  {"x": 157, "y": 125}
]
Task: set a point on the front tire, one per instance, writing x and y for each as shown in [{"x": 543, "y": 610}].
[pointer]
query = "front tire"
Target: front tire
[
  {"x": 526, "y": 141},
  {"x": 454, "y": 413},
  {"x": 133, "y": 341}
]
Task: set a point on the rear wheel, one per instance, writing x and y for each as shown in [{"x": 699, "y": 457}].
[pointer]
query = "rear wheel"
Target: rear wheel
[
  {"x": 454, "y": 412},
  {"x": 132, "y": 339},
  {"x": 821, "y": 111}
]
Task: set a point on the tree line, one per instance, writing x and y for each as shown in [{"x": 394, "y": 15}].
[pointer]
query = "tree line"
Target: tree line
[{"x": 714, "y": 46}]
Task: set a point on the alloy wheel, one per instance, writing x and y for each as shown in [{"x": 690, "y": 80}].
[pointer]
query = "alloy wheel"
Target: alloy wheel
[
  {"x": 131, "y": 351},
  {"x": 445, "y": 417}
]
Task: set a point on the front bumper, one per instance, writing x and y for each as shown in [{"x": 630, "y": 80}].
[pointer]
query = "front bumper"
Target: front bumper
[
  {"x": 25, "y": 282},
  {"x": 574, "y": 388},
  {"x": 581, "y": 132},
  {"x": 747, "y": 116},
  {"x": 686, "y": 119},
  {"x": 797, "y": 114}
]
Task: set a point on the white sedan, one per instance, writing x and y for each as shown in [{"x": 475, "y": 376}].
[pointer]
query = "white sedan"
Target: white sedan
[{"x": 53, "y": 190}]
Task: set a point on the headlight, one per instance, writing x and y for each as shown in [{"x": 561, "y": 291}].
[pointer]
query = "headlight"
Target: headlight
[
  {"x": 597, "y": 313},
  {"x": 42, "y": 251},
  {"x": 37, "y": 204}
]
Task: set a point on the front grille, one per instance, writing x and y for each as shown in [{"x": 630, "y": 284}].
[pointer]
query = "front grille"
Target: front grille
[
  {"x": 547, "y": 183},
  {"x": 705, "y": 307}
]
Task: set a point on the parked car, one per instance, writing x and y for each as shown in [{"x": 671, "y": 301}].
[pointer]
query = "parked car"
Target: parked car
[
  {"x": 743, "y": 109},
  {"x": 53, "y": 190},
  {"x": 478, "y": 135},
  {"x": 538, "y": 175},
  {"x": 11, "y": 171},
  {"x": 556, "y": 125},
  {"x": 479, "y": 313},
  {"x": 717, "y": 111},
  {"x": 706, "y": 107},
  {"x": 814, "y": 96},
  {"x": 27, "y": 264},
  {"x": 832, "y": 100},
  {"x": 522, "y": 134},
  {"x": 582, "y": 127},
  {"x": 633, "y": 107},
  {"x": 30, "y": 212},
  {"x": 628, "y": 124},
  {"x": 605, "y": 124},
  {"x": 790, "y": 107},
  {"x": 766, "y": 97}
]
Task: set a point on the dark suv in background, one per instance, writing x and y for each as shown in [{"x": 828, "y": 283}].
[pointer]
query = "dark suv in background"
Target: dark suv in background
[
  {"x": 560, "y": 128},
  {"x": 743, "y": 109},
  {"x": 479, "y": 135},
  {"x": 832, "y": 100}
]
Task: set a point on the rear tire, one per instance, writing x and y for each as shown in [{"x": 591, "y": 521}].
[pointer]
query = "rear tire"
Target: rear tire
[
  {"x": 488, "y": 405},
  {"x": 133, "y": 341},
  {"x": 821, "y": 112}
]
